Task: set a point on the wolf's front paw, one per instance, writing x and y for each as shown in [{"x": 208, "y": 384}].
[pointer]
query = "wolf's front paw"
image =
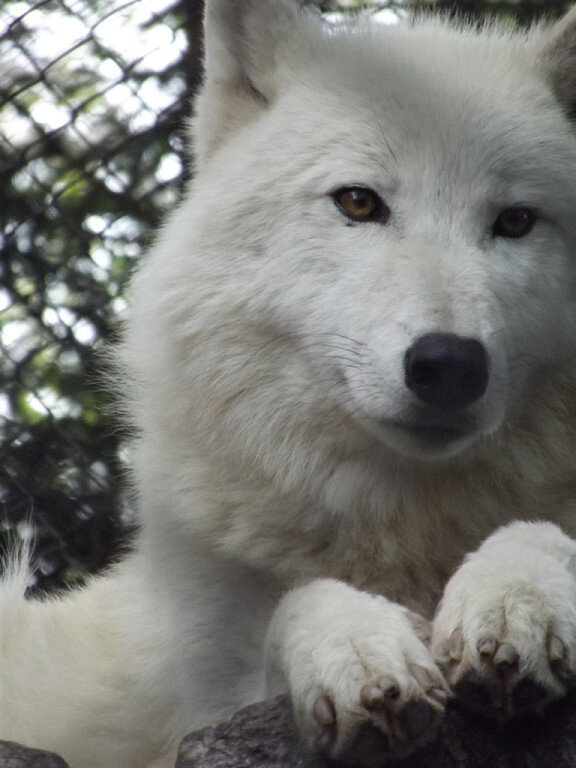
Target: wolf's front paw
[
  {"x": 386, "y": 718},
  {"x": 364, "y": 686},
  {"x": 505, "y": 631}
]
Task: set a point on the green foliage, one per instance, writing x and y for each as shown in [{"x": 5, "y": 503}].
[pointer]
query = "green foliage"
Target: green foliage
[
  {"x": 523, "y": 12},
  {"x": 92, "y": 104}
]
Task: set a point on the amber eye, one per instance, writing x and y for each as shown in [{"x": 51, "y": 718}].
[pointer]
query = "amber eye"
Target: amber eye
[
  {"x": 514, "y": 222},
  {"x": 361, "y": 204}
]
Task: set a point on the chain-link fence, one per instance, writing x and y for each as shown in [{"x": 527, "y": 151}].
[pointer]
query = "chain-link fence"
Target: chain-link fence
[
  {"x": 93, "y": 96},
  {"x": 93, "y": 99}
]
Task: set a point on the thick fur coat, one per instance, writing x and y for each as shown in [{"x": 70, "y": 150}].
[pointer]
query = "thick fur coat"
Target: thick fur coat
[{"x": 351, "y": 362}]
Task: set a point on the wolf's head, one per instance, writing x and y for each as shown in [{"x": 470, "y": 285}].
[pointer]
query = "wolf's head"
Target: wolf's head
[{"x": 382, "y": 227}]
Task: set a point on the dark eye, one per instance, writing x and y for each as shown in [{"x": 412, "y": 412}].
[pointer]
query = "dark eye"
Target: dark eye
[
  {"x": 361, "y": 204},
  {"x": 514, "y": 222}
]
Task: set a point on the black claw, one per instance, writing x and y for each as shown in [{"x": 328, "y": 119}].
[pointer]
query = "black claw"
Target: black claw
[{"x": 415, "y": 717}]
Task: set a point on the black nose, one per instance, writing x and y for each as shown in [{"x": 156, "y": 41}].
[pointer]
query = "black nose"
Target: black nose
[{"x": 447, "y": 371}]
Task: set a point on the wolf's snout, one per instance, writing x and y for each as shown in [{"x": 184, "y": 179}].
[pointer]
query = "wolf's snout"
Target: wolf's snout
[{"x": 446, "y": 371}]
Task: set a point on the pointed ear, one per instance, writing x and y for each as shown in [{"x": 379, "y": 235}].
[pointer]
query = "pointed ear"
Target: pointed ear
[
  {"x": 559, "y": 58},
  {"x": 244, "y": 43}
]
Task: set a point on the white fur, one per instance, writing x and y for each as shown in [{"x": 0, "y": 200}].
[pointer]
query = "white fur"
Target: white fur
[
  {"x": 518, "y": 588},
  {"x": 265, "y": 357}
]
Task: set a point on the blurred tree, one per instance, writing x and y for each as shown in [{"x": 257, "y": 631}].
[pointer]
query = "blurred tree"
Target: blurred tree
[
  {"x": 523, "y": 12},
  {"x": 93, "y": 98}
]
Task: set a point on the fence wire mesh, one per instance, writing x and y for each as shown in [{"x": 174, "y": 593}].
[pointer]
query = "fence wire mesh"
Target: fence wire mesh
[
  {"x": 93, "y": 97},
  {"x": 93, "y": 100}
]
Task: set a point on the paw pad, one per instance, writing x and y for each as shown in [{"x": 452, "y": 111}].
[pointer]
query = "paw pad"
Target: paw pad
[
  {"x": 386, "y": 723},
  {"x": 416, "y": 717},
  {"x": 497, "y": 681}
]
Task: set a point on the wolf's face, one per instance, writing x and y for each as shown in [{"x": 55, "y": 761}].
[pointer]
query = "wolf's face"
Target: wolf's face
[{"x": 398, "y": 211}]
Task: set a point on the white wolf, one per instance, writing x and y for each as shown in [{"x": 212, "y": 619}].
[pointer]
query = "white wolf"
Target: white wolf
[{"x": 352, "y": 357}]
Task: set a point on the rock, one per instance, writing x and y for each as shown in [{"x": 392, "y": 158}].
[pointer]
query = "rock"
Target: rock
[
  {"x": 263, "y": 736},
  {"x": 259, "y": 736},
  {"x": 16, "y": 756}
]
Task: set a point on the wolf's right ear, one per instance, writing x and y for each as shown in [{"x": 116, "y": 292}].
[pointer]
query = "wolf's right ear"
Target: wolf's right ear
[
  {"x": 559, "y": 59},
  {"x": 244, "y": 41}
]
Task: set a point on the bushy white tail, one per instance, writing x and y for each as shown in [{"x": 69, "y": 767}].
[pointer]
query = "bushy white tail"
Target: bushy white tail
[{"x": 70, "y": 667}]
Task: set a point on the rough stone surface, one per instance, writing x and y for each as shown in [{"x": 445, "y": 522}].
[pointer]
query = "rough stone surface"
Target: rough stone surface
[
  {"x": 17, "y": 756},
  {"x": 262, "y": 736}
]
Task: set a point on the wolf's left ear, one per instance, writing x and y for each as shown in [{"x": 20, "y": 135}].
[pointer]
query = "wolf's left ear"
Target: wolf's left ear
[
  {"x": 559, "y": 58},
  {"x": 244, "y": 43}
]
